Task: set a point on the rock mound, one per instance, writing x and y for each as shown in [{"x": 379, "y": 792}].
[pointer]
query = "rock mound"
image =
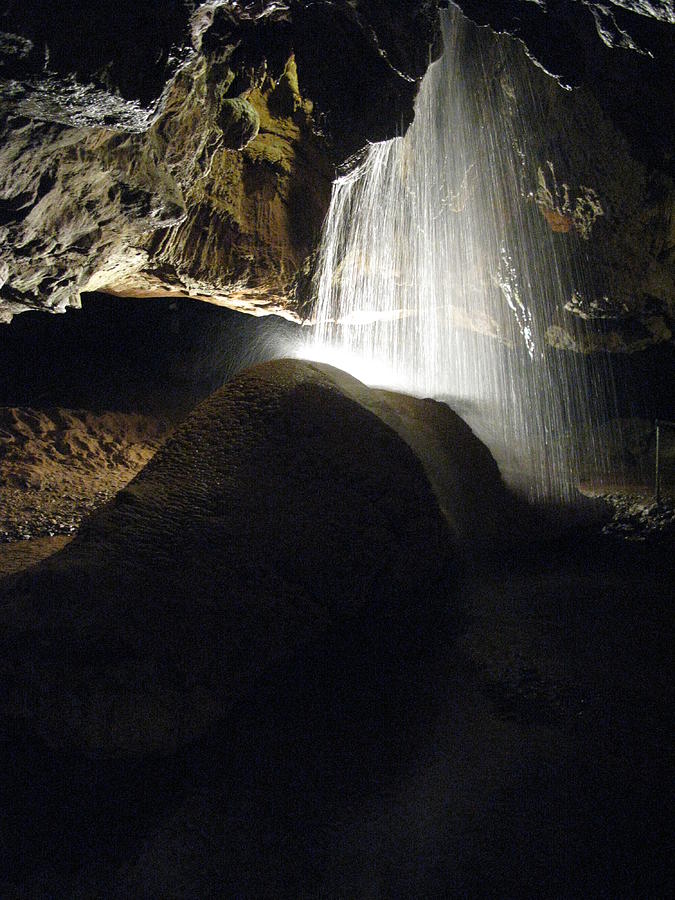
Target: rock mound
[{"x": 281, "y": 503}]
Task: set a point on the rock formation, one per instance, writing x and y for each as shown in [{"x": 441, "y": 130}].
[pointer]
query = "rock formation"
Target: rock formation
[
  {"x": 291, "y": 497},
  {"x": 191, "y": 153},
  {"x": 188, "y": 158},
  {"x": 601, "y": 169}
]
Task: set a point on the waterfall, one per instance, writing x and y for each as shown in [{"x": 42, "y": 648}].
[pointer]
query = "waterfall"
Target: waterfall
[{"x": 438, "y": 273}]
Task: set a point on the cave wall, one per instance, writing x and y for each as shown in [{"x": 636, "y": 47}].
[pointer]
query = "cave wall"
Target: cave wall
[
  {"x": 178, "y": 150},
  {"x": 190, "y": 158},
  {"x": 620, "y": 50},
  {"x": 604, "y": 164},
  {"x": 603, "y": 200}
]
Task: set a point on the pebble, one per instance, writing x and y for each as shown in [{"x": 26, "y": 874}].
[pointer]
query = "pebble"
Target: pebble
[
  {"x": 63, "y": 521},
  {"x": 638, "y": 519}
]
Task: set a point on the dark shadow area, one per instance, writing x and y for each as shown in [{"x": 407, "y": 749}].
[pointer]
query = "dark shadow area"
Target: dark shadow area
[
  {"x": 505, "y": 734},
  {"x": 126, "y": 353},
  {"x": 504, "y": 737},
  {"x": 133, "y": 355}
]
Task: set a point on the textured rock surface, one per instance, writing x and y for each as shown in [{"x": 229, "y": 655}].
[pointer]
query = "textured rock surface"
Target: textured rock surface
[
  {"x": 129, "y": 47},
  {"x": 606, "y": 196},
  {"x": 239, "y": 123},
  {"x": 107, "y": 143},
  {"x": 614, "y": 210},
  {"x": 116, "y": 173},
  {"x": 253, "y": 215},
  {"x": 281, "y": 502},
  {"x": 621, "y": 50},
  {"x": 597, "y": 160}
]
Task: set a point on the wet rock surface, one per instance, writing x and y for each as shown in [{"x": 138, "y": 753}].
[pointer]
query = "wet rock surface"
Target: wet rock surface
[
  {"x": 609, "y": 184},
  {"x": 600, "y": 198},
  {"x": 622, "y": 52}
]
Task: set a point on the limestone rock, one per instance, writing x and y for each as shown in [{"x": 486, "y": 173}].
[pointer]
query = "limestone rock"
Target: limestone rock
[
  {"x": 603, "y": 175},
  {"x": 253, "y": 215},
  {"x": 169, "y": 209},
  {"x": 75, "y": 204},
  {"x": 130, "y": 48},
  {"x": 239, "y": 123},
  {"x": 181, "y": 92},
  {"x": 284, "y": 500},
  {"x": 117, "y": 176},
  {"x": 601, "y": 200}
]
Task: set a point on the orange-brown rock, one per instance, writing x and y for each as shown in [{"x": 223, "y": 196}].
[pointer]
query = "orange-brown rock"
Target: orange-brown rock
[{"x": 560, "y": 223}]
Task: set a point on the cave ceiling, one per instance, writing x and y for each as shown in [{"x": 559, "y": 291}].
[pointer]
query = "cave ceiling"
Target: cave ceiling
[{"x": 177, "y": 148}]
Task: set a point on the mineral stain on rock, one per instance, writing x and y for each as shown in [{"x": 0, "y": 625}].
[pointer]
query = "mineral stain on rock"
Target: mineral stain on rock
[{"x": 239, "y": 123}]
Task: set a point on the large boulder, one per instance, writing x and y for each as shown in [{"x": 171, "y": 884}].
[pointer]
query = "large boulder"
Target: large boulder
[
  {"x": 289, "y": 498},
  {"x": 292, "y": 497}
]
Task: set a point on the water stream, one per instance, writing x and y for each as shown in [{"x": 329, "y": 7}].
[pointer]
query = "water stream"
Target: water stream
[{"x": 438, "y": 272}]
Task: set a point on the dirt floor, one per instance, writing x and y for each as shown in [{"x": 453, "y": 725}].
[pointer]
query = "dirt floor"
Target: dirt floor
[
  {"x": 58, "y": 465},
  {"x": 16, "y": 556}
]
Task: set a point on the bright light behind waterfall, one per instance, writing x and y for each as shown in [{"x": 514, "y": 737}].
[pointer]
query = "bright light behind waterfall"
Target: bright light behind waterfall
[{"x": 438, "y": 271}]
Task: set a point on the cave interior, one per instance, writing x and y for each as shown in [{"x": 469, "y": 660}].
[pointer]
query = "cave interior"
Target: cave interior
[{"x": 268, "y": 630}]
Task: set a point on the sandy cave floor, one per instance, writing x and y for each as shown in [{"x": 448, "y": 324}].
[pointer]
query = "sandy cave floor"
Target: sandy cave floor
[
  {"x": 58, "y": 465},
  {"x": 507, "y": 737}
]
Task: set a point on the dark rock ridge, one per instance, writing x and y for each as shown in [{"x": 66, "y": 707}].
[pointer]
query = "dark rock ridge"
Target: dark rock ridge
[
  {"x": 621, "y": 50},
  {"x": 128, "y": 47},
  {"x": 598, "y": 160},
  {"x": 292, "y": 497},
  {"x": 603, "y": 200}
]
